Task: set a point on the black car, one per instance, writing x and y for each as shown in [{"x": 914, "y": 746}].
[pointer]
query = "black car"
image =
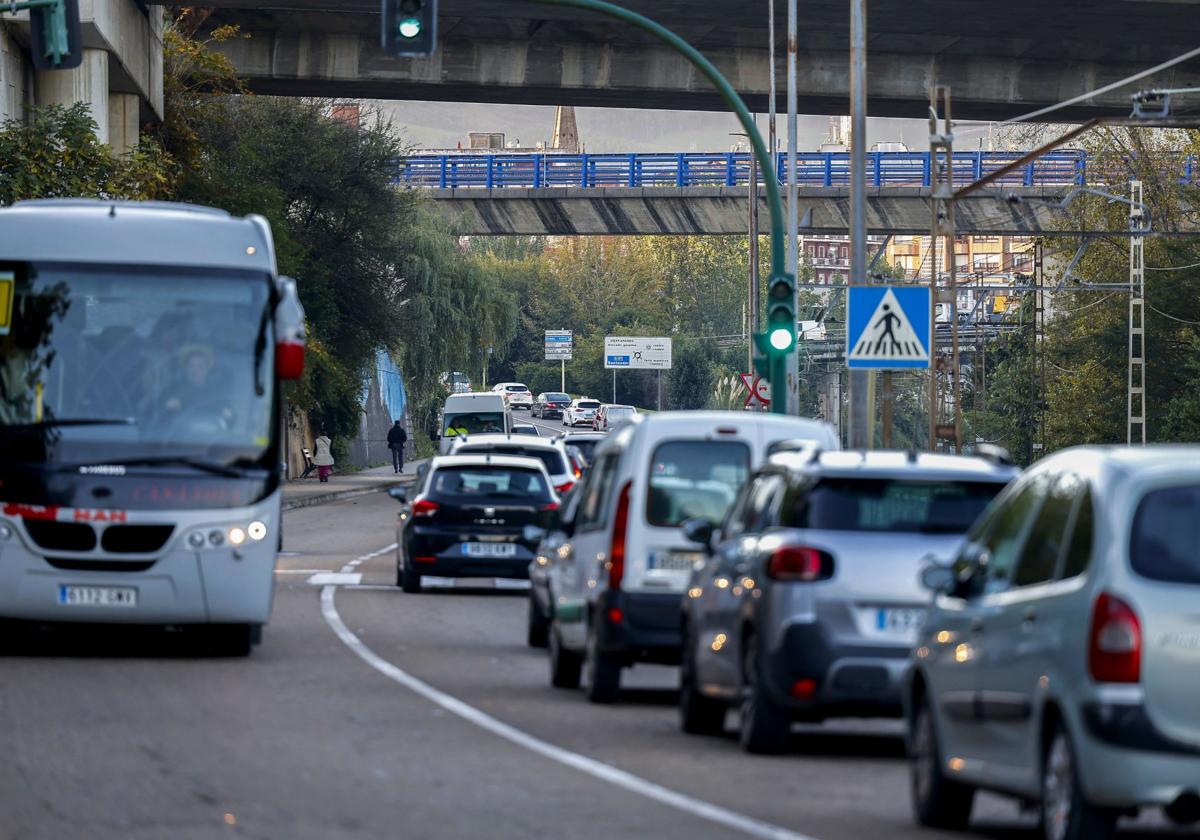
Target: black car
[
  {"x": 550, "y": 404},
  {"x": 467, "y": 518}
]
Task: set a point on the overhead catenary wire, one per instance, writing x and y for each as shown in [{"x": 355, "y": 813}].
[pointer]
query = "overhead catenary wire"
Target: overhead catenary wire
[
  {"x": 1153, "y": 308},
  {"x": 1100, "y": 91}
]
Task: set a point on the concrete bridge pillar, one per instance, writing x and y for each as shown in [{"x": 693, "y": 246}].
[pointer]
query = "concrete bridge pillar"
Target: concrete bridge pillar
[{"x": 86, "y": 83}]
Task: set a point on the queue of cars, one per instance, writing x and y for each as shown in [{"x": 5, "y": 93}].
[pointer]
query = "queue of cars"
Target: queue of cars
[{"x": 1037, "y": 631}]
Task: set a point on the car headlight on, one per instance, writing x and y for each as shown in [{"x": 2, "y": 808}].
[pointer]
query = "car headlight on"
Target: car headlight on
[
  {"x": 236, "y": 536},
  {"x": 257, "y": 530}
]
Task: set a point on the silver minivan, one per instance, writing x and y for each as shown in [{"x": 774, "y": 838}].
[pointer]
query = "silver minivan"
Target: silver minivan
[
  {"x": 1060, "y": 662},
  {"x": 810, "y": 595},
  {"x": 617, "y": 581}
]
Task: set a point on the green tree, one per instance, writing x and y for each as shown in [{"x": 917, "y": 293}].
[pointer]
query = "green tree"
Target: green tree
[
  {"x": 692, "y": 377},
  {"x": 55, "y": 153}
]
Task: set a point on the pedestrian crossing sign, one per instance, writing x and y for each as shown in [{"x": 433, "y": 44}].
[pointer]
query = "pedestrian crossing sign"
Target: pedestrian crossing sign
[{"x": 888, "y": 327}]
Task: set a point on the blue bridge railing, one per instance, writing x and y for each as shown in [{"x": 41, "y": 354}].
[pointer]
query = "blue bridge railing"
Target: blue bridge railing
[{"x": 731, "y": 169}]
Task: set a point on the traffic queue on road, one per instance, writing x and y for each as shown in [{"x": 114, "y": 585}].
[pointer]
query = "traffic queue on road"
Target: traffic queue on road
[{"x": 1038, "y": 631}]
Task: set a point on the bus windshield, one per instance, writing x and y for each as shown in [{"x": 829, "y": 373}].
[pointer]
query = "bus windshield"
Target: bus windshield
[{"x": 112, "y": 364}]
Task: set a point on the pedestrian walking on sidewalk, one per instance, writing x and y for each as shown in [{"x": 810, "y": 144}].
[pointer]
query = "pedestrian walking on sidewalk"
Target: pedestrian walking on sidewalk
[
  {"x": 397, "y": 437},
  {"x": 323, "y": 456}
]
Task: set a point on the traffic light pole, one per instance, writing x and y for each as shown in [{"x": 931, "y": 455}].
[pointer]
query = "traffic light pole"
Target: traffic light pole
[{"x": 779, "y": 273}]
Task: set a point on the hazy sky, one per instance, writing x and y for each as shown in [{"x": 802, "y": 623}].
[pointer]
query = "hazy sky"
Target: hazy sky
[{"x": 442, "y": 125}]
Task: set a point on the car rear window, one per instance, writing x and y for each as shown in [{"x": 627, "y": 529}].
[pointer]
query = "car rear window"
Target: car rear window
[
  {"x": 692, "y": 479},
  {"x": 620, "y": 411},
  {"x": 557, "y": 398},
  {"x": 552, "y": 458},
  {"x": 506, "y": 485},
  {"x": 587, "y": 447},
  {"x": 889, "y": 505},
  {"x": 589, "y": 405},
  {"x": 518, "y": 388},
  {"x": 1166, "y": 532}
]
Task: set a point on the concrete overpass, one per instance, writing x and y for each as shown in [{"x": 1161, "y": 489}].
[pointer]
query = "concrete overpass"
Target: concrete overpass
[
  {"x": 598, "y": 211},
  {"x": 1001, "y": 59},
  {"x": 120, "y": 79}
]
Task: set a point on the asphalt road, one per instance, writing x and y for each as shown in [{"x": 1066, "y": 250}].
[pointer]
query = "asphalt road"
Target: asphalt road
[{"x": 370, "y": 713}]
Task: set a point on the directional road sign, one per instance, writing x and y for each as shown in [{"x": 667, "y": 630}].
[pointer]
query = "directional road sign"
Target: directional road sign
[
  {"x": 624, "y": 351},
  {"x": 889, "y": 327},
  {"x": 560, "y": 345}
]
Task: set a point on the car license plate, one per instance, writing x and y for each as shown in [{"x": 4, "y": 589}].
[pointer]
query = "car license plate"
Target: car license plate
[
  {"x": 475, "y": 549},
  {"x": 676, "y": 561},
  {"x": 97, "y": 596},
  {"x": 898, "y": 623}
]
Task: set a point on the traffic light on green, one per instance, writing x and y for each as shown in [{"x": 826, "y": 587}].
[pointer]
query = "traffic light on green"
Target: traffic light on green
[
  {"x": 773, "y": 346},
  {"x": 409, "y": 27}
]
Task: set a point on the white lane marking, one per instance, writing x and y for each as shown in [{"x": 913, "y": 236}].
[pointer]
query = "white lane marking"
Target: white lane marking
[
  {"x": 597, "y": 769},
  {"x": 349, "y": 567},
  {"x": 299, "y": 571},
  {"x": 334, "y": 579}
]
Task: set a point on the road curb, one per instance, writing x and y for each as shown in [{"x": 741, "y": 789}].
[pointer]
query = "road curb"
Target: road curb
[{"x": 341, "y": 495}]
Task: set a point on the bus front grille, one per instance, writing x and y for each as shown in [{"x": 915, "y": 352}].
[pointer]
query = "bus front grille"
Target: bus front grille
[
  {"x": 61, "y": 536},
  {"x": 135, "y": 539}
]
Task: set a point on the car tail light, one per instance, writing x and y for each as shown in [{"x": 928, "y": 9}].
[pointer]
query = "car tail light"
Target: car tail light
[
  {"x": 1115, "y": 651},
  {"x": 424, "y": 507},
  {"x": 799, "y": 563},
  {"x": 564, "y": 487},
  {"x": 615, "y": 615},
  {"x": 616, "y": 553},
  {"x": 549, "y": 506},
  {"x": 424, "y": 558}
]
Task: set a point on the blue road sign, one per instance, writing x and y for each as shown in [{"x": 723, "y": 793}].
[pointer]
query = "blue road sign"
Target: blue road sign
[
  {"x": 618, "y": 361},
  {"x": 889, "y": 327}
]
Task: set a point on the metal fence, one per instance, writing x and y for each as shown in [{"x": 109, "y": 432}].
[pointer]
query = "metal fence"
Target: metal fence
[{"x": 731, "y": 169}]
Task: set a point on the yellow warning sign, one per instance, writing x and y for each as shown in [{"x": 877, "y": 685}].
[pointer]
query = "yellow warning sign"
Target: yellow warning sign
[{"x": 8, "y": 288}]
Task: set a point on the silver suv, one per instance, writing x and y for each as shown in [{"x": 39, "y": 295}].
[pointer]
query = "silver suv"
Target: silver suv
[
  {"x": 810, "y": 597},
  {"x": 1061, "y": 659}
]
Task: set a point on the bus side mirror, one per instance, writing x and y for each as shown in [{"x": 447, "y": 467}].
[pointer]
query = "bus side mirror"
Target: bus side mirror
[{"x": 289, "y": 331}]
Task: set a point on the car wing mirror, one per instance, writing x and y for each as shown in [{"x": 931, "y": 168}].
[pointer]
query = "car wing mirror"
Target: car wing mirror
[
  {"x": 400, "y": 494},
  {"x": 699, "y": 531},
  {"x": 533, "y": 534},
  {"x": 940, "y": 579}
]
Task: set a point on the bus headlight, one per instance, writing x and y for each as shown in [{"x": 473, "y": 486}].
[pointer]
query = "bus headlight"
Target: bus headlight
[
  {"x": 196, "y": 539},
  {"x": 256, "y": 530},
  {"x": 215, "y": 537},
  {"x": 236, "y": 536}
]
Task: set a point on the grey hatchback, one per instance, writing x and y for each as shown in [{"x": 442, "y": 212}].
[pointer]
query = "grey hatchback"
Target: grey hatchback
[
  {"x": 1061, "y": 660},
  {"x": 809, "y": 599}
]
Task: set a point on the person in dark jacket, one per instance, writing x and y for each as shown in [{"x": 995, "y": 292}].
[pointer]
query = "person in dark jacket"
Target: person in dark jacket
[{"x": 397, "y": 437}]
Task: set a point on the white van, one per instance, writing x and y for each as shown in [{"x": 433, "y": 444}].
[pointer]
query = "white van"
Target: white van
[
  {"x": 616, "y": 590},
  {"x": 472, "y": 414}
]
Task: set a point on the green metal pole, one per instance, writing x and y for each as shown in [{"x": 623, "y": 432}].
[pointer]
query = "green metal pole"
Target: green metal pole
[{"x": 731, "y": 97}]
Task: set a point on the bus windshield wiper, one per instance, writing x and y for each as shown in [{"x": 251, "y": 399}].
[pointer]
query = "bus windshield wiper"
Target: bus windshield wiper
[{"x": 214, "y": 467}]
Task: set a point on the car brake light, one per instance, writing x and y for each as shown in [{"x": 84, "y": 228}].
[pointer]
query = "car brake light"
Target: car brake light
[
  {"x": 549, "y": 506},
  {"x": 799, "y": 563},
  {"x": 564, "y": 487},
  {"x": 616, "y": 553},
  {"x": 424, "y": 507},
  {"x": 424, "y": 558},
  {"x": 1115, "y": 649}
]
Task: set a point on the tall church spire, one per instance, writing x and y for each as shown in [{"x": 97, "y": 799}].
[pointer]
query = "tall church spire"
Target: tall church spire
[{"x": 566, "y": 132}]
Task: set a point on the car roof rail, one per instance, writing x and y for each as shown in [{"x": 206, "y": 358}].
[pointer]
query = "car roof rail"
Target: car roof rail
[{"x": 994, "y": 453}]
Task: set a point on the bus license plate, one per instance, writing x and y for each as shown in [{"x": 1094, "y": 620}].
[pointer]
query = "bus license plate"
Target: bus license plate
[
  {"x": 97, "y": 596},
  {"x": 474, "y": 549}
]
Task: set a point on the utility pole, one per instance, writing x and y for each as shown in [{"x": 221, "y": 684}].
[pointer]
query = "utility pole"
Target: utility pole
[
  {"x": 793, "y": 209},
  {"x": 1136, "y": 399},
  {"x": 941, "y": 161},
  {"x": 861, "y": 411},
  {"x": 752, "y": 319},
  {"x": 772, "y": 143}
]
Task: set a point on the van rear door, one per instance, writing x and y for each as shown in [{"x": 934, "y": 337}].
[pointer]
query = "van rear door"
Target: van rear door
[{"x": 685, "y": 477}]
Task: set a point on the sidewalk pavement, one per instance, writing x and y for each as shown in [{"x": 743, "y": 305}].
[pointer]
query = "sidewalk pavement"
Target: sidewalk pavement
[{"x": 300, "y": 493}]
